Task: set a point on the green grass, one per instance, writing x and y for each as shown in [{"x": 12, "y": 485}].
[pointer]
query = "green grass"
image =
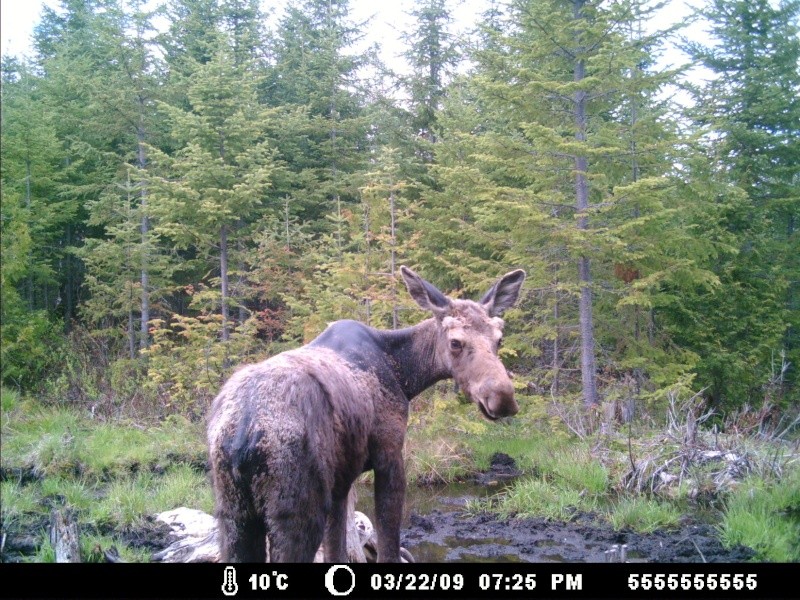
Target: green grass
[
  {"x": 45, "y": 553},
  {"x": 766, "y": 517},
  {"x": 183, "y": 486},
  {"x": 74, "y": 493},
  {"x": 9, "y": 399},
  {"x": 93, "y": 545},
  {"x": 44, "y": 442},
  {"x": 130, "y": 500},
  {"x": 643, "y": 515},
  {"x": 533, "y": 497},
  {"x": 125, "y": 503},
  {"x": 113, "y": 475},
  {"x": 58, "y": 441},
  {"x": 17, "y": 503}
]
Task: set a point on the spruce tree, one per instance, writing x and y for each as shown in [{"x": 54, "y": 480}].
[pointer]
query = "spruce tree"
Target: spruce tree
[
  {"x": 315, "y": 78},
  {"x": 750, "y": 113},
  {"x": 222, "y": 170},
  {"x": 432, "y": 55},
  {"x": 555, "y": 157}
]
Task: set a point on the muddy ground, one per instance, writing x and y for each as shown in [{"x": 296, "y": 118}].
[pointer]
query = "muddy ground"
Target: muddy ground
[
  {"x": 444, "y": 535},
  {"x": 454, "y": 537},
  {"x": 437, "y": 529}
]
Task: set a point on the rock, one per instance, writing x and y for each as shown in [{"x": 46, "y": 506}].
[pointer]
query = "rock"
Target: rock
[{"x": 196, "y": 537}]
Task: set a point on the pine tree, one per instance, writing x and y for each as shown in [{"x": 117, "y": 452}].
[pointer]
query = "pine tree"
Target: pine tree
[
  {"x": 432, "y": 55},
  {"x": 557, "y": 151},
  {"x": 750, "y": 113},
  {"x": 223, "y": 168}
]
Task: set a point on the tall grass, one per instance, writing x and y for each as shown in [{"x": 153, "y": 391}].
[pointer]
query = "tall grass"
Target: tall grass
[
  {"x": 52, "y": 441},
  {"x": 765, "y": 516},
  {"x": 114, "y": 476},
  {"x": 643, "y": 514},
  {"x": 532, "y": 497}
]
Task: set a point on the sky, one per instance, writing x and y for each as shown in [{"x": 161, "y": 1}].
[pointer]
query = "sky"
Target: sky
[
  {"x": 18, "y": 18},
  {"x": 389, "y": 18}
]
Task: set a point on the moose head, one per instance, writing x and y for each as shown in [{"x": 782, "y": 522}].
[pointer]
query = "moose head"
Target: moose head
[{"x": 468, "y": 337}]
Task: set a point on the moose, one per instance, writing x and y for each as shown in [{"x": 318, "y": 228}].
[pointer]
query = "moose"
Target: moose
[{"x": 288, "y": 436}]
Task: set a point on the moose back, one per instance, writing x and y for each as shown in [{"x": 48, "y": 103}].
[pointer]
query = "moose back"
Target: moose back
[{"x": 289, "y": 436}]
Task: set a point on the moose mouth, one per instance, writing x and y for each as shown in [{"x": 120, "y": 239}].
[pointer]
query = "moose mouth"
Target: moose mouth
[{"x": 485, "y": 412}]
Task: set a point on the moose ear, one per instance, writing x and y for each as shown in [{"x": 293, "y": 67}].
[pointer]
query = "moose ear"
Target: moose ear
[
  {"x": 425, "y": 294},
  {"x": 503, "y": 294}
]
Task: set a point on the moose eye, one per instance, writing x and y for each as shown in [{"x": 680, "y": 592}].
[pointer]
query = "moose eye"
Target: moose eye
[{"x": 456, "y": 345}]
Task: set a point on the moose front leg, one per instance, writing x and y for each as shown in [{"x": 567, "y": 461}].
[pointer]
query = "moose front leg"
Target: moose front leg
[{"x": 390, "y": 490}]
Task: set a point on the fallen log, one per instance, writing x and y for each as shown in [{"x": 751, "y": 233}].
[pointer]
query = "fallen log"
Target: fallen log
[
  {"x": 64, "y": 537},
  {"x": 197, "y": 538}
]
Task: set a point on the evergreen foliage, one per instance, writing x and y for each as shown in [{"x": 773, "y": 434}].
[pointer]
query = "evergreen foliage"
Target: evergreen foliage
[{"x": 219, "y": 188}]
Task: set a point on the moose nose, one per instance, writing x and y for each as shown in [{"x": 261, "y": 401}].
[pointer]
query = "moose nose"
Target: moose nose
[{"x": 500, "y": 398}]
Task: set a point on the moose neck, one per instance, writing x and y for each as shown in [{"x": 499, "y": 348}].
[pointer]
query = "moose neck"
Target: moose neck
[{"x": 415, "y": 359}]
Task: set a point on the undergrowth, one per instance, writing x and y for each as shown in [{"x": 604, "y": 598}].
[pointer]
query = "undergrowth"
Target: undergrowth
[
  {"x": 116, "y": 474},
  {"x": 765, "y": 516},
  {"x": 113, "y": 476}
]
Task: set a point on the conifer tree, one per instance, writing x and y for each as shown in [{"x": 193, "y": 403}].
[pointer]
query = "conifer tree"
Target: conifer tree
[
  {"x": 750, "y": 114},
  {"x": 315, "y": 73},
  {"x": 432, "y": 55},
  {"x": 553, "y": 158},
  {"x": 32, "y": 224},
  {"x": 222, "y": 170}
]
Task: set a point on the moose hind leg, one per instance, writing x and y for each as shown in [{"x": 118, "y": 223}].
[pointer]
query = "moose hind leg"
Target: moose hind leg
[
  {"x": 336, "y": 532},
  {"x": 296, "y": 507},
  {"x": 242, "y": 539},
  {"x": 241, "y": 530}
]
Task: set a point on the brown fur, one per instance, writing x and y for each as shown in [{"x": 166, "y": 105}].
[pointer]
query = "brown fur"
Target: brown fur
[{"x": 288, "y": 436}]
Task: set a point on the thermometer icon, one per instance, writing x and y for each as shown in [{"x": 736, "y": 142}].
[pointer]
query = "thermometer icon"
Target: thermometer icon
[{"x": 229, "y": 585}]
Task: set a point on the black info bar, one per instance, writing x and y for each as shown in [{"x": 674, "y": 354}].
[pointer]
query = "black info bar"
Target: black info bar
[{"x": 463, "y": 580}]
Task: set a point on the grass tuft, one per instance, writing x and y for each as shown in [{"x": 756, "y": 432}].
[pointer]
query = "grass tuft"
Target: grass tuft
[
  {"x": 766, "y": 517},
  {"x": 643, "y": 515},
  {"x": 532, "y": 497}
]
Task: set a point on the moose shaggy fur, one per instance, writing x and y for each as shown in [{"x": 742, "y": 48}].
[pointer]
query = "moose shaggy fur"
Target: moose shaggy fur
[{"x": 289, "y": 436}]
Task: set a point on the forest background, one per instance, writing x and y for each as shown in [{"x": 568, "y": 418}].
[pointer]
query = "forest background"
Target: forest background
[{"x": 179, "y": 199}]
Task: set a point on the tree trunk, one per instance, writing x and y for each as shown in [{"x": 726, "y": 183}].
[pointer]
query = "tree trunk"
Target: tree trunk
[
  {"x": 223, "y": 275},
  {"x": 69, "y": 292},
  {"x": 30, "y": 224},
  {"x": 144, "y": 340},
  {"x": 555, "y": 385},
  {"x": 393, "y": 259},
  {"x": 240, "y": 278},
  {"x": 588, "y": 376}
]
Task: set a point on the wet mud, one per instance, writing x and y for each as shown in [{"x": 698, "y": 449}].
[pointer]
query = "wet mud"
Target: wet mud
[
  {"x": 448, "y": 534},
  {"x": 456, "y": 537}
]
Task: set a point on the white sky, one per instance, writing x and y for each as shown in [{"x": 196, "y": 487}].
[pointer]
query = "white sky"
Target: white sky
[{"x": 18, "y": 18}]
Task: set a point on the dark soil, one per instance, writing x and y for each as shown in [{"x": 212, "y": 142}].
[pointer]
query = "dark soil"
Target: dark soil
[{"x": 453, "y": 536}]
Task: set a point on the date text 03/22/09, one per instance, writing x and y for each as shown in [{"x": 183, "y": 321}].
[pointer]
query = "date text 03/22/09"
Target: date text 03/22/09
[{"x": 507, "y": 582}]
